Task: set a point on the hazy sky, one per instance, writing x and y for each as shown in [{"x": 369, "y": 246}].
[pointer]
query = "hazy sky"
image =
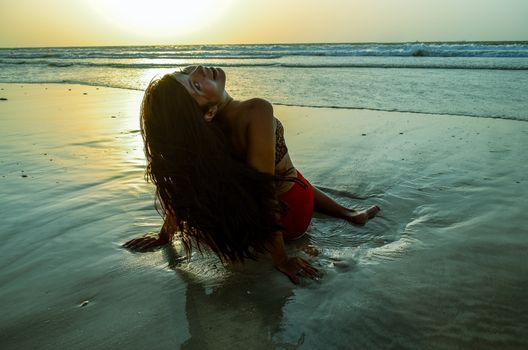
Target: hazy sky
[{"x": 138, "y": 22}]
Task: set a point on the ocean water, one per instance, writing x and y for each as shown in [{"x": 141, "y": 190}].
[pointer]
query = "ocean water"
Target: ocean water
[{"x": 482, "y": 79}]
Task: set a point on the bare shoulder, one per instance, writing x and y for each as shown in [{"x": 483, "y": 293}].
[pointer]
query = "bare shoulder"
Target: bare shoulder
[
  {"x": 259, "y": 104},
  {"x": 259, "y": 111}
]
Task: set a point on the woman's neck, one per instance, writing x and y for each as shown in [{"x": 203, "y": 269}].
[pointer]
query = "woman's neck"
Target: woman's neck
[{"x": 228, "y": 110}]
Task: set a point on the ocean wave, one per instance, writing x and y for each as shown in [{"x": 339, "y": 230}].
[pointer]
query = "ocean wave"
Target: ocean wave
[
  {"x": 151, "y": 55},
  {"x": 500, "y": 65},
  {"x": 127, "y": 65},
  {"x": 274, "y": 51}
]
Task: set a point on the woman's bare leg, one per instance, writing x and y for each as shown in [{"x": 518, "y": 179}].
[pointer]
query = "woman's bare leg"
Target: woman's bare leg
[{"x": 326, "y": 205}]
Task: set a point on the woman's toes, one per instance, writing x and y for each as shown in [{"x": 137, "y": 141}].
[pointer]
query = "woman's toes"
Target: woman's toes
[{"x": 361, "y": 217}]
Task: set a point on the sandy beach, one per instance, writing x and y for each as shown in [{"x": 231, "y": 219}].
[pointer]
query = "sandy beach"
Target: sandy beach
[{"x": 442, "y": 267}]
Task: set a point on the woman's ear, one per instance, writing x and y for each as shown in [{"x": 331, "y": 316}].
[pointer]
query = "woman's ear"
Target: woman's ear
[{"x": 209, "y": 116}]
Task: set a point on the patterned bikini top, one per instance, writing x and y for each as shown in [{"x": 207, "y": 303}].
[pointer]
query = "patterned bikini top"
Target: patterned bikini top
[{"x": 280, "y": 143}]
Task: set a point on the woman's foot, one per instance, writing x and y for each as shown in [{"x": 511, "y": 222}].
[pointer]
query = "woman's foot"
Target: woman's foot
[{"x": 361, "y": 217}]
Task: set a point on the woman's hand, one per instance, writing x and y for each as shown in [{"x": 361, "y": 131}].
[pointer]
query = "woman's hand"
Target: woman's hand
[
  {"x": 146, "y": 243},
  {"x": 295, "y": 268}
]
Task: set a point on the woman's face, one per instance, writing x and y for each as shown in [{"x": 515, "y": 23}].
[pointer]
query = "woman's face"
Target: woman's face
[{"x": 206, "y": 85}]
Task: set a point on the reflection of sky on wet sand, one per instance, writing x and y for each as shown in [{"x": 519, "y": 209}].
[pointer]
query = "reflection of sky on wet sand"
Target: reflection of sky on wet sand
[{"x": 85, "y": 134}]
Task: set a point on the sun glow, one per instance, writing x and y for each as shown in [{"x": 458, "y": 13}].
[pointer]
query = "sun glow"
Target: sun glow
[{"x": 162, "y": 17}]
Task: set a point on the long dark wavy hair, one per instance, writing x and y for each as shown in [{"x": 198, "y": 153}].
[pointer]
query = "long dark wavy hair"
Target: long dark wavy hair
[{"x": 216, "y": 200}]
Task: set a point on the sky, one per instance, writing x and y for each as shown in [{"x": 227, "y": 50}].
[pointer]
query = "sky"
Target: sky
[{"x": 43, "y": 23}]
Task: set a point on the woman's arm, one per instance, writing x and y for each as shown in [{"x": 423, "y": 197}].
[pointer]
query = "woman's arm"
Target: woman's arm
[
  {"x": 261, "y": 156},
  {"x": 168, "y": 229}
]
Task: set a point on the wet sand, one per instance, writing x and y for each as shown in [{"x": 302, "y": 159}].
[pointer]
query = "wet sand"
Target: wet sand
[{"x": 442, "y": 267}]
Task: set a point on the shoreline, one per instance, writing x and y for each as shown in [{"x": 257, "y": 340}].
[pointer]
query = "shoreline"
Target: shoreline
[{"x": 8, "y": 84}]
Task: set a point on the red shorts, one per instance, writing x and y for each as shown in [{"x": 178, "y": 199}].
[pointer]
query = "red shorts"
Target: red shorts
[{"x": 300, "y": 206}]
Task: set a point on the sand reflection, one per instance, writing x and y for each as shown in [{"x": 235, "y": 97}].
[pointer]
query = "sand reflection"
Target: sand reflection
[{"x": 239, "y": 308}]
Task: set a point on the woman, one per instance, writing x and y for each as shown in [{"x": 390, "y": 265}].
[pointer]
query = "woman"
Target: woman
[{"x": 223, "y": 174}]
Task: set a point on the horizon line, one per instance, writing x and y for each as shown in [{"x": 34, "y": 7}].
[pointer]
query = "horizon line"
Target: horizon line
[{"x": 276, "y": 43}]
